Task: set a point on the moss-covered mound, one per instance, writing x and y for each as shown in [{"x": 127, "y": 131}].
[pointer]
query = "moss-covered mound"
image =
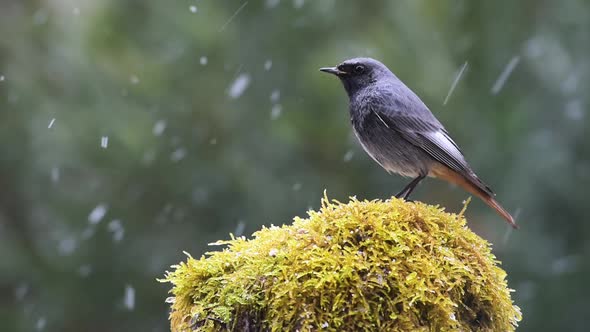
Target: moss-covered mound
[{"x": 362, "y": 266}]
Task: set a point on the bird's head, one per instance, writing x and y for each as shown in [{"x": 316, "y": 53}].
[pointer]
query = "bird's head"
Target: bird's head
[{"x": 358, "y": 73}]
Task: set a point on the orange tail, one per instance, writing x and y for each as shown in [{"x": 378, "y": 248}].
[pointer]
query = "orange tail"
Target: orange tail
[{"x": 447, "y": 174}]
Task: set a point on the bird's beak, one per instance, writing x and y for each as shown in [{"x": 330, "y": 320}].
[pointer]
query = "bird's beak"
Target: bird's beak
[{"x": 333, "y": 71}]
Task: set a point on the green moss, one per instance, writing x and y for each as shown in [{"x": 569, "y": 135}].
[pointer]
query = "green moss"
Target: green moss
[{"x": 365, "y": 265}]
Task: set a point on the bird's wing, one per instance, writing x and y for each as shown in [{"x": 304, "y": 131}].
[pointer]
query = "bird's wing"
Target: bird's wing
[{"x": 429, "y": 135}]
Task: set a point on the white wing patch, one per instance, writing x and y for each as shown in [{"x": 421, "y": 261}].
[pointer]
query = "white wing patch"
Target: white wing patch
[{"x": 445, "y": 143}]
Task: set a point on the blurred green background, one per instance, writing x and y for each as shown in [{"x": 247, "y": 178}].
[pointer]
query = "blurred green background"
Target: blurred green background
[{"x": 131, "y": 131}]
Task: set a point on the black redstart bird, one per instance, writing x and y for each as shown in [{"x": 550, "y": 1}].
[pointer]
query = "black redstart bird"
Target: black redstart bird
[{"x": 400, "y": 133}]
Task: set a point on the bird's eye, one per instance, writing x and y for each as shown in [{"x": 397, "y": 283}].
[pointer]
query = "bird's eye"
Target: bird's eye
[{"x": 359, "y": 69}]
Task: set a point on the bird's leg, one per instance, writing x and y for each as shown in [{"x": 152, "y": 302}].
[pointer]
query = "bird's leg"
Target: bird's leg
[{"x": 405, "y": 193}]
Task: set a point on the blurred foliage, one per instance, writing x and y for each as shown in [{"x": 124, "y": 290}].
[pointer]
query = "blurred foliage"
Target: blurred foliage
[
  {"x": 214, "y": 119},
  {"x": 361, "y": 266}
]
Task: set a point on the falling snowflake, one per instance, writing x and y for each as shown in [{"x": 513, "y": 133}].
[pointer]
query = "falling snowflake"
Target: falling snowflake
[{"x": 239, "y": 85}]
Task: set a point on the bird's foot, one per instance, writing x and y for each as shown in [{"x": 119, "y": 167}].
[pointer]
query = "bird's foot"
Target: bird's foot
[
  {"x": 406, "y": 199},
  {"x": 404, "y": 195}
]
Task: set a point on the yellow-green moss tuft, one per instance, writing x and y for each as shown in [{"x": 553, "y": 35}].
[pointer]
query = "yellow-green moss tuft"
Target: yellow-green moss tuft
[{"x": 362, "y": 266}]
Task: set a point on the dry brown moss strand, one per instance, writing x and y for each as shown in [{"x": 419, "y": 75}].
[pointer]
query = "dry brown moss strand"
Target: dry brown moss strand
[{"x": 364, "y": 265}]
